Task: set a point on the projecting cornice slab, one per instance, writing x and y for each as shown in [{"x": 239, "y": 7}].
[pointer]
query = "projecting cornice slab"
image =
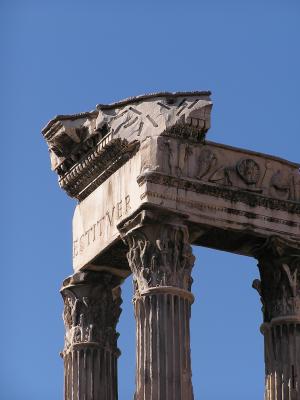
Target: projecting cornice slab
[{"x": 86, "y": 148}]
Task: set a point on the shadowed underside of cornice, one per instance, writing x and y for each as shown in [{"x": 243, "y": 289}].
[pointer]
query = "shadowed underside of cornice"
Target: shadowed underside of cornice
[{"x": 86, "y": 148}]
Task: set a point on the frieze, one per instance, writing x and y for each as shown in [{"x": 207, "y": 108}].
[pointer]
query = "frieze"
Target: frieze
[
  {"x": 225, "y": 166},
  {"x": 249, "y": 170},
  {"x": 206, "y": 163},
  {"x": 258, "y": 175}
]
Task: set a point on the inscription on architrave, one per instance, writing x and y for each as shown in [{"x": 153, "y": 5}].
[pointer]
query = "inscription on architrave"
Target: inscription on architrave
[{"x": 96, "y": 217}]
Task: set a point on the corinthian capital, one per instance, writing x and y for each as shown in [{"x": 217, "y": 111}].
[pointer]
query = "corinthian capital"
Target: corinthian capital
[
  {"x": 279, "y": 287},
  {"x": 91, "y": 310},
  {"x": 160, "y": 255}
]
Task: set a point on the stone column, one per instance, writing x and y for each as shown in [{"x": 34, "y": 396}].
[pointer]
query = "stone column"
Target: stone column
[
  {"x": 91, "y": 312},
  {"x": 279, "y": 288},
  {"x": 161, "y": 261}
]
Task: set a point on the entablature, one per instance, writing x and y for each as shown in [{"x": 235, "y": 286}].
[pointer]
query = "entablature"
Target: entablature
[{"x": 151, "y": 152}]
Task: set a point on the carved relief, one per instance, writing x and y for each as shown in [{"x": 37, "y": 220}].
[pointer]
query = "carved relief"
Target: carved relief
[
  {"x": 184, "y": 154},
  {"x": 210, "y": 170},
  {"x": 279, "y": 289},
  {"x": 222, "y": 176},
  {"x": 281, "y": 186},
  {"x": 160, "y": 256},
  {"x": 166, "y": 156},
  {"x": 222, "y": 166},
  {"x": 245, "y": 173},
  {"x": 207, "y": 162},
  {"x": 91, "y": 309},
  {"x": 248, "y": 170}
]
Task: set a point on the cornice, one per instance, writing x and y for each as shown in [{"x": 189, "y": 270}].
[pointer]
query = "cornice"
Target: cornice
[
  {"x": 96, "y": 166},
  {"x": 150, "y": 96},
  {"x": 121, "y": 103},
  {"x": 86, "y": 148},
  {"x": 47, "y": 130}
]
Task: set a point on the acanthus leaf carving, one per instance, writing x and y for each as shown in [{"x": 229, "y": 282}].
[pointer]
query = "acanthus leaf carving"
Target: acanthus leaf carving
[
  {"x": 279, "y": 288},
  {"x": 160, "y": 256},
  {"x": 91, "y": 310},
  {"x": 292, "y": 276}
]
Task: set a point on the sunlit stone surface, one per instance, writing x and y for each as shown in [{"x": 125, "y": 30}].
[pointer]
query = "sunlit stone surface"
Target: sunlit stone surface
[{"x": 150, "y": 184}]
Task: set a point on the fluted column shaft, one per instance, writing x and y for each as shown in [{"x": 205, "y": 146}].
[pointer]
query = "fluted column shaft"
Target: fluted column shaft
[
  {"x": 163, "y": 346},
  {"x": 91, "y": 312},
  {"x": 161, "y": 260},
  {"x": 279, "y": 289},
  {"x": 282, "y": 343}
]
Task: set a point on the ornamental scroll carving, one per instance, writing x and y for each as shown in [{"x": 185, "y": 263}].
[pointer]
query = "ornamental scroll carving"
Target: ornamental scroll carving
[
  {"x": 160, "y": 255},
  {"x": 279, "y": 286},
  {"x": 91, "y": 310}
]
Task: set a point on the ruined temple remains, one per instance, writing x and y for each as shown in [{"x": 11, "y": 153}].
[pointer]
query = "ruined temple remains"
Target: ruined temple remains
[{"x": 150, "y": 185}]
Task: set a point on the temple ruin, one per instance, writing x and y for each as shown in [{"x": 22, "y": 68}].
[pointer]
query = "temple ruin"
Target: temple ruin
[{"x": 150, "y": 185}]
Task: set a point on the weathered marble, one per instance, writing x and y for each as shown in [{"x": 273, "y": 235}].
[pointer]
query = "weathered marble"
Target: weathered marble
[
  {"x": 149, "y": 184},
  {"x": 207, "y": 182},
  {"x": 96, "y": 217},
  {"x": 279, "y": 288},
  {"x": 160, "y": 258},
  {"x": 91, "y": 312},
  {"x": 83, "y": 145}
]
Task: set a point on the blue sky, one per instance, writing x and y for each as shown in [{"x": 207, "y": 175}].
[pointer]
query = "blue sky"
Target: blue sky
[{"x": 65, "y": 57}]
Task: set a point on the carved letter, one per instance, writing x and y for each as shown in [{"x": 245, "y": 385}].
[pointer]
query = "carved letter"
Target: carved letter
[
  {"x": 75, "y": 249},
  {"x": 110, "y": 217},
  {"x": 127, "y": 204},
  {"x": 119, "y": 209}
]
